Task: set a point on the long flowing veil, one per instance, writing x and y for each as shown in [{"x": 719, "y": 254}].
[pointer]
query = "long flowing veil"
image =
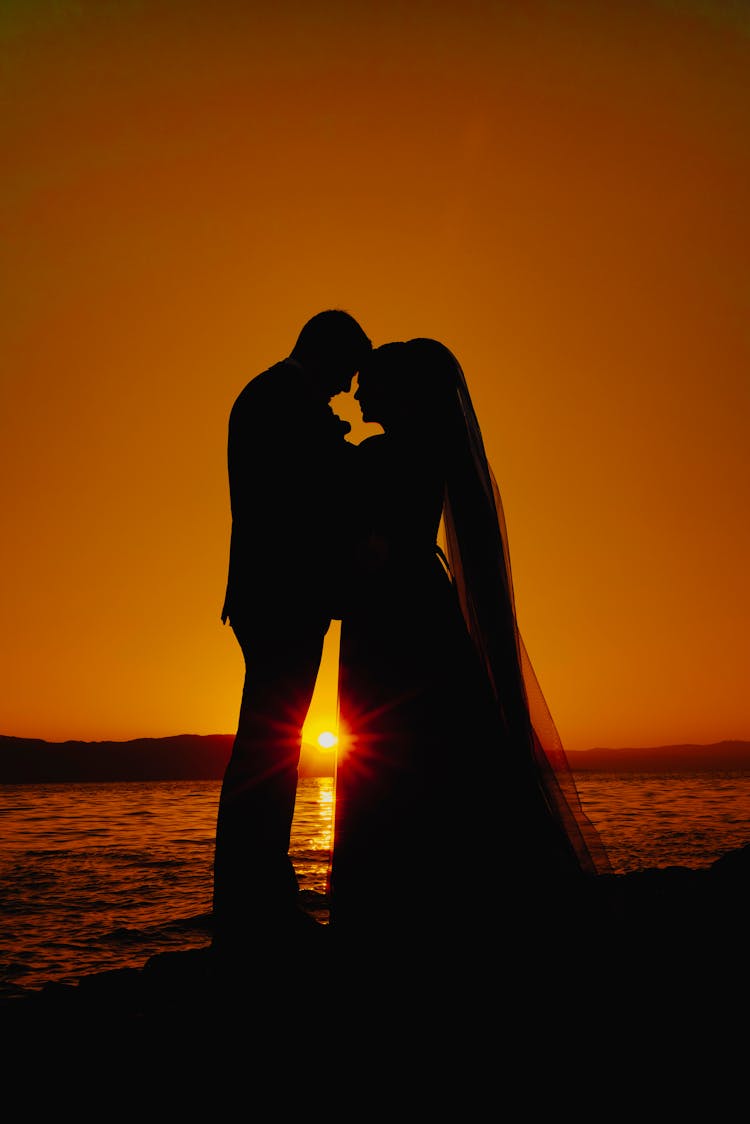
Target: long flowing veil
[{"x": 479, "y": 558}]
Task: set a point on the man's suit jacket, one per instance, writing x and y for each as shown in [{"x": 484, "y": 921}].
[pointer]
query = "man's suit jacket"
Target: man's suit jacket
[{"x": 287, "y": 460}]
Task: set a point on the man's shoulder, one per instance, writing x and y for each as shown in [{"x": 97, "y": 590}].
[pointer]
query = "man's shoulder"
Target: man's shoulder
[
  {"x": 274, "y": 380},
  {"x": 272, "y": 389}
]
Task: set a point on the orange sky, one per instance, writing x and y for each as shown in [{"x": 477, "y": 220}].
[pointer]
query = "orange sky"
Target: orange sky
[{"x": 559, "y": 192}]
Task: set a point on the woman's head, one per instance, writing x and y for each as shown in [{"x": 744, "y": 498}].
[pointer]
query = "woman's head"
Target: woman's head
[{"x": 408, "y": 383}]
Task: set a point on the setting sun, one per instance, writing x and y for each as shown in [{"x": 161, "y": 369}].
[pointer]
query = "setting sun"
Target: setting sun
[{"x": 327, "y": 740}]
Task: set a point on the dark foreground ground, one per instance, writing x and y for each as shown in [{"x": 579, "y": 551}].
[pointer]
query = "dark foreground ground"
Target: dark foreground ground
[{"x": 649, "y": 992}]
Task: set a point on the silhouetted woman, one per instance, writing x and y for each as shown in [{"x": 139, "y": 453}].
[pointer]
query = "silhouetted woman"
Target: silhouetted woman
[{"x": 456, "y": 815}]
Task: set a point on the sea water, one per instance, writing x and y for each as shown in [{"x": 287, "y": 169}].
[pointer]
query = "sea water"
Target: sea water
[{"x": 101, "y": 876}]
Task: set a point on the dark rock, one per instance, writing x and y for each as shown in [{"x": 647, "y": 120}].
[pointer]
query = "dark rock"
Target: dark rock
[
  {"x": 660, "y": 935},
  {"x": 734, "y": 865}
]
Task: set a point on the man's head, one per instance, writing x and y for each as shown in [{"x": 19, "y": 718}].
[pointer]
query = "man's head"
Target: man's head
[{"x": 332, "y": 346}]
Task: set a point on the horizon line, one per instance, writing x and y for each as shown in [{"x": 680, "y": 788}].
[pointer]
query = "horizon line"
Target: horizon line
[{"x": 313, "y": 745}]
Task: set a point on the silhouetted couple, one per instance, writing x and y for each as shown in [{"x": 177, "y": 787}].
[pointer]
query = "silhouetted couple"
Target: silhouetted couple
[{"x": 453, "y": 796}]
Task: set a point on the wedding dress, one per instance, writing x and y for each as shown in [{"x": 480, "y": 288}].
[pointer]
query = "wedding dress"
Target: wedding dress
[{"x": 453, "y": 792}]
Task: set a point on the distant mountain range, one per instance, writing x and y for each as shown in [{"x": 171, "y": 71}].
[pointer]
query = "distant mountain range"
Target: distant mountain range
[
  {"x": 204, "y": 757},
  {"x": 181, "y": 757},
  {"x": 718, "y": 757}
]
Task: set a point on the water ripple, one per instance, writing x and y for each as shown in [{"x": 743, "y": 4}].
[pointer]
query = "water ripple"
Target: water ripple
[{"x": 104, "y": 876}]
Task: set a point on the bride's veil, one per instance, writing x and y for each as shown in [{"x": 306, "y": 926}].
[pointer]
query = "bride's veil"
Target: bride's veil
[{"x": 478, "y": 555}]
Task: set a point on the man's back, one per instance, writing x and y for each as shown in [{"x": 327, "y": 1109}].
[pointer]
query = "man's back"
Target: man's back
[{"x": 286, "y": 460}]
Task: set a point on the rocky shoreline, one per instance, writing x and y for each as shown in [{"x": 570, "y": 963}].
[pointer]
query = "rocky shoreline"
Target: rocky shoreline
[{"x": 672, "y": 943}]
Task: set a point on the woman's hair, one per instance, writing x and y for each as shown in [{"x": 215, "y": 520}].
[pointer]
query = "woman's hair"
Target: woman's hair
[{"x": 418, "y": 374}]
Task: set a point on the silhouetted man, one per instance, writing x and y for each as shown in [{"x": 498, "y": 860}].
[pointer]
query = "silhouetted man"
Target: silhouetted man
[{"x": 287, "y": 458}]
